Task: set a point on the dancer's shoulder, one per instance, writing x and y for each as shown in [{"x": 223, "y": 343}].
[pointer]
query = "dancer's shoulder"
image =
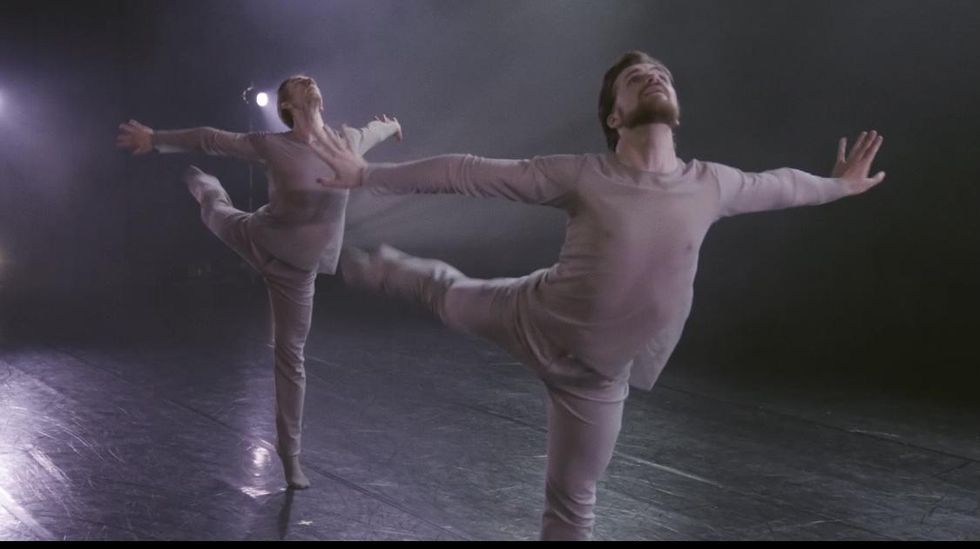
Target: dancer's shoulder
[
  {"x": 566, "y": 166},
  {"x": 709, "y": 168}
]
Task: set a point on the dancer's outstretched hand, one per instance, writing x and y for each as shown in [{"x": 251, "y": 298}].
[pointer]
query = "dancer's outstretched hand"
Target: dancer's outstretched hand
[
  {"x": 135, "y": 136},
  {"x": 384, "y": 118},
  {"x": 853, "y": 168},
  {"x": 347, "y": 165}
]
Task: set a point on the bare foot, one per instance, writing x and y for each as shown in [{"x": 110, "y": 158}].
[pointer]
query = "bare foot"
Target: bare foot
[{"x": 294, "y": 473}]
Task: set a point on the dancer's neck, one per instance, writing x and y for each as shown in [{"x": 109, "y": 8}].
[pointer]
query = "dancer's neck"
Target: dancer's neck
[
  {"x": 306, "y": 126},
  {"x": 649, "y": 148}
]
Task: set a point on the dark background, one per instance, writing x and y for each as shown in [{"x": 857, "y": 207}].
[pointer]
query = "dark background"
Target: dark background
[{"x": 881, "y": 287}]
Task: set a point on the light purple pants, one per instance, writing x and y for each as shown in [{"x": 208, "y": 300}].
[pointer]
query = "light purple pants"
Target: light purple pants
[
  {"x": 584, "y": 410},
  {"x": 290, "y": 298}
]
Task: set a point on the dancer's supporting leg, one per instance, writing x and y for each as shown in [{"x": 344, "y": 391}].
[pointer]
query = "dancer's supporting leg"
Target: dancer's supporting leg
[
  {"x": 583, "y": 426},
  {"x": 584, "y": 409},
  {"x": 291, "y": 296},
  {"x": 291, "y": 299}
]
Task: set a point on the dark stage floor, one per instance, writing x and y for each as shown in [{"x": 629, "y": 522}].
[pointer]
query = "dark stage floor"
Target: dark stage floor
[{"x": 155, "y": 421}]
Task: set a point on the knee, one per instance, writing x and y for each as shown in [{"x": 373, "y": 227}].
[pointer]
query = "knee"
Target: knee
[
  {"x": 290, "y": 361},
  {"x": 576, "y": 494},
  {"x": 447, "y": 304}
]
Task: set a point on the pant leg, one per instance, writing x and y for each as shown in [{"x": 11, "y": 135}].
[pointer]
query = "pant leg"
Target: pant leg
[
  {"x": 291, "y": 292},
  {"x": 221, "y": 218},
  {"x": 584, "y": 409},
  {"x": 583, "y": 426},
  {"x": 484, "y": 308}
]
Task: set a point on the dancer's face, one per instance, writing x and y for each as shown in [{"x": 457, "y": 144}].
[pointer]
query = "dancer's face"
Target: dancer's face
[
  {"x": 305, "y": 95},
  {"x": 645, "y": 95}
]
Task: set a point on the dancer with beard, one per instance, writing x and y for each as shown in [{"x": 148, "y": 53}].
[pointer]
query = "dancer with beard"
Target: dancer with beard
[
  {"x": 297, "y": 235},
  {"x": 610, "y": 312}
]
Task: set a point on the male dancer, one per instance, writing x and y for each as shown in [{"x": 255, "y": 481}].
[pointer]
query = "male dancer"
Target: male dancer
[
  {"x": 289, "y": 240},
  {"x": 611, "y": 311}
]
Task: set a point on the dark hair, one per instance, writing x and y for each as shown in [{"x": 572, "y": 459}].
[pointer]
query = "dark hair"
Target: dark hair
[
  {"x": 607, "y": 95},
  {"x": 282, "y": 95}
]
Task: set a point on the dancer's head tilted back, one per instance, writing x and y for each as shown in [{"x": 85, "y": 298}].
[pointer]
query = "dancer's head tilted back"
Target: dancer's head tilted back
[
  {"x": 636, "y": 90},
  {"x": 297, "y": 94}
]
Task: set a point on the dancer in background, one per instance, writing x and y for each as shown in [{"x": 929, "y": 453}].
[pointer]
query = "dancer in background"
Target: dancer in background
[{"x": 297, "y": 235}]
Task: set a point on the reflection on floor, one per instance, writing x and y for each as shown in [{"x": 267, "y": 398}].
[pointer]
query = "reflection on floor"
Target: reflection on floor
[{"x": 156, "y": 423}]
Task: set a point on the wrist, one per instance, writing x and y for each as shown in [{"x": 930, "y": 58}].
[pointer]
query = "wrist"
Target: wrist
[{"x": 850, "y": 187}]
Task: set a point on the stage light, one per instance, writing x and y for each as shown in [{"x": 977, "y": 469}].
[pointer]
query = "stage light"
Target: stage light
[{"x": 252, "y": 96}]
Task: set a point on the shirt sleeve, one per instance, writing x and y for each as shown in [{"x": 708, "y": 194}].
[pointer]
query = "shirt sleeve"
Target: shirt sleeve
[
  {"x": 743, "y": 192},
  {"x": 208, "y": 141},
  {"x": 364, "y": 139},
  {"x": 545, "y": 180}
]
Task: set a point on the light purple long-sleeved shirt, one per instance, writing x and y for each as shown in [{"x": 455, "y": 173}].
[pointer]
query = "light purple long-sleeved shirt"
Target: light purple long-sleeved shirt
[
  {"x": 622, "y": 289},
  {"x": 303, "y": 223}
]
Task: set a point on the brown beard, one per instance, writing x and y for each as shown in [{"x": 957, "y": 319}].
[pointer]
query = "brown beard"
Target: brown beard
[{"x": 653, "y": 111}]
